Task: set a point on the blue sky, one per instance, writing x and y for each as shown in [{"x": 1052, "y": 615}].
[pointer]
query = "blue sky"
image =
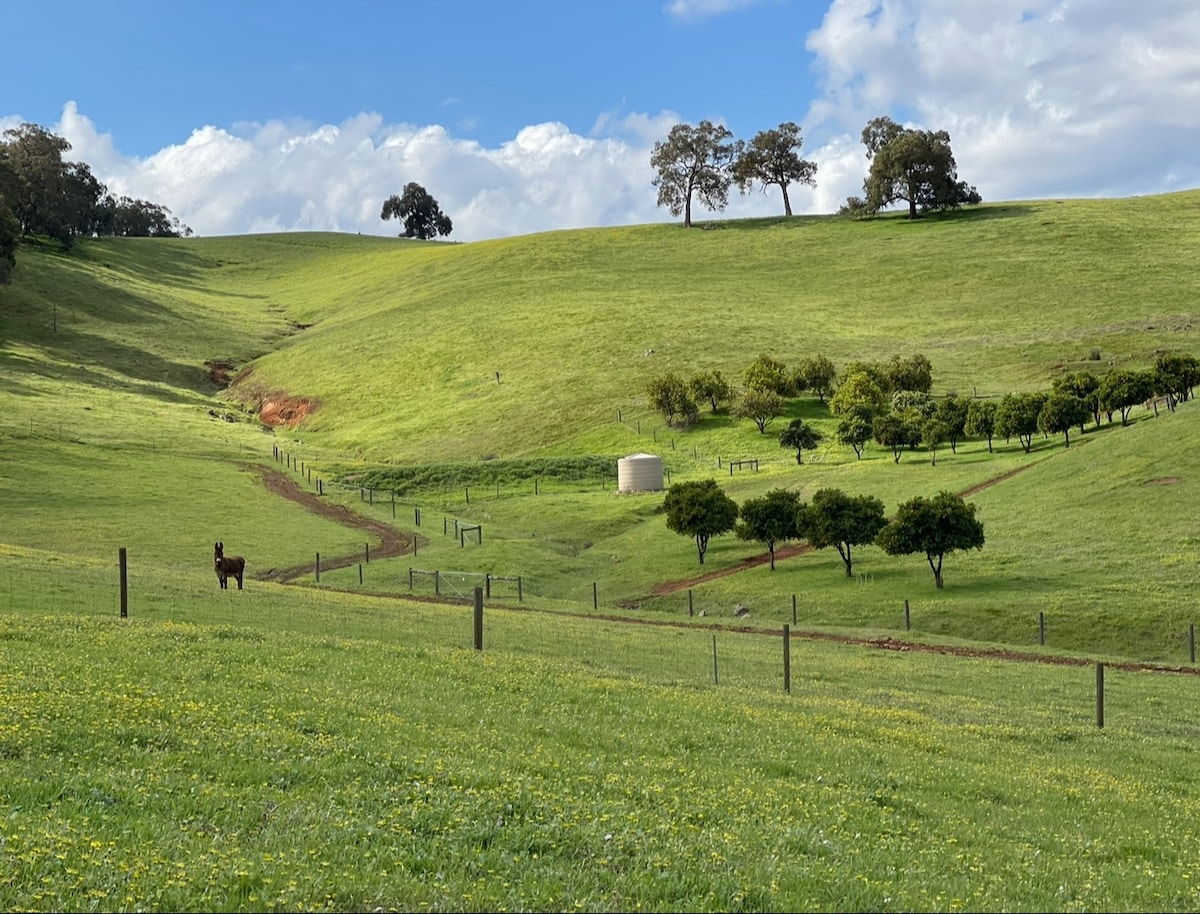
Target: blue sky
[{"x": 265, "y": 115}]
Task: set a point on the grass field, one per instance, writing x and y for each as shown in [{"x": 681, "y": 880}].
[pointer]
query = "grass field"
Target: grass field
[{"x": 623, "y": 742}]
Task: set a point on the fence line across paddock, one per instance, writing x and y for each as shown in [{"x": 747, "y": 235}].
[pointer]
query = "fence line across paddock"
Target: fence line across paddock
[{"x": 761, "y": 659}]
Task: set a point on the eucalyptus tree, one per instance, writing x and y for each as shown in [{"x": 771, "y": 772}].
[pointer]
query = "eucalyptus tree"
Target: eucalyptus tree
[
  {"x": 694, "y": 162},
  {"x": 40, "y": 201},
  {"x": 773, "y": 158},
  {"x": 909, "y": 165},
  {"x": 422, "y": 215}
]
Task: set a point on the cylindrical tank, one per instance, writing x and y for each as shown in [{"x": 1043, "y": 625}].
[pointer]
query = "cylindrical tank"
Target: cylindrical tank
[{"x": 640, "y": 473}]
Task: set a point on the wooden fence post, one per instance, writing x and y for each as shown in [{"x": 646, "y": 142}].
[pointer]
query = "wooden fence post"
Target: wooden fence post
[
  {"x": 907, "y": 620},
  {"x": 716, "y": 678},
  {"x": 787, "y": 658},
  {"x": 121, "y": 560},
  {"x": 1100, "y": 695},
  {"x": 478, "y": 618}
]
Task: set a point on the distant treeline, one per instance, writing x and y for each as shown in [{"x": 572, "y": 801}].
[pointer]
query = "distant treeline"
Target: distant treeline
[
  {"x": 407, "y": 480},
  {"x": 41, "y": 194}
]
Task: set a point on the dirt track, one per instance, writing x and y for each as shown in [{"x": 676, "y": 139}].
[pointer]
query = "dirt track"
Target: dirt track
[{"x": 393, "y": 542}]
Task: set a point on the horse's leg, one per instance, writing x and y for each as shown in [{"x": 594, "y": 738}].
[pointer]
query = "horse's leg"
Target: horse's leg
[{"x": 239, "y": 577}]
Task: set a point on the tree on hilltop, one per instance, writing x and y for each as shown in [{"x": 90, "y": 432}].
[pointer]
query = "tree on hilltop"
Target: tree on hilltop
[
  {"x": 422, "y": 216},
  {"x": 694, "y": 161},
  {"x": 914, "y": 166},
  {"x": 773, "y": 157}
]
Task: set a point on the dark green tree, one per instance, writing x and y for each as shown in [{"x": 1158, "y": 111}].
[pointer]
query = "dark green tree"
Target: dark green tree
[
  {"x": 1122, "y": 389},
  {"x": 10, "y": 237},
  {"x": 712, "y": 387},
  {"x": 670, "y": 396},
  {"x": 773, "y": 158},
  {"x": 1083, "y": 385},
  {"x": 41, "y": 201},
  {"x": 952, "y": 412},
  {"x": 981, "y": 420},
  {"x": 1017, "y": 415},
  {"x": 933, "y": 433},
  {"x": 759, "y": 406},
  {"x": 800, "y": 436},
  {"x": 834, "y": 518},
  {"x": 914, "y": 166},
  {"x": 935, "y": 526},
  {"x": 770, "y": 519},
  {"x": 423, "y": 217},
  {"x": 854, "y": 430},
  {"x": 896, "y": 431},
  {"x": 1060, "y": 412},
  {"x": 701, "y": 510},
  {"x": 694, "y": 162},
  {"x": 816, "y": 374},
  {"x": 1175, "y": 376}
]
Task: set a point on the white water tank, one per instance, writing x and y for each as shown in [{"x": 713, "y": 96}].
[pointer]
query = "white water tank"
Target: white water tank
[{"x": 640, "y": 473}]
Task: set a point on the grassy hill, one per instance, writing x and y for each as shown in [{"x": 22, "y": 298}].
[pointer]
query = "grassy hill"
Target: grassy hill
[
  {"x": 115, "y": 354},
  {"x": 338, "y": 744}
]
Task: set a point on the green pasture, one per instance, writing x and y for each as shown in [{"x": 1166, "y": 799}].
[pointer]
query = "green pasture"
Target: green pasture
[
  {"x": 337, "y": 743},
  {"x": 169, "y": 765}
]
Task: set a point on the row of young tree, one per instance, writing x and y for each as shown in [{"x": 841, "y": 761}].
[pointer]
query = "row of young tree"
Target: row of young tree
[
  {"x": 41, "y": 193},
  {"x": 907, "y": 165},
  {"x": 890, "y": 402},
  {"x": 934, "y": 527}
]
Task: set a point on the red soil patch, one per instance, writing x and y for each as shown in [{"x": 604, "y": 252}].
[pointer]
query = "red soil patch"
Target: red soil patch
[{"x": 279, "y": 409}]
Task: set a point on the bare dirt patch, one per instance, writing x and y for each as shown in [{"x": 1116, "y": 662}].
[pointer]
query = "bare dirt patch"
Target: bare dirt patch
[
  {"x": 389, "y": 541},
  {"x": 1163, "y": 481}
]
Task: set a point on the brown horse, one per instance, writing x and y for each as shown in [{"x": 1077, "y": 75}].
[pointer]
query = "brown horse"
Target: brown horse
[{"x": 233, "y": 565}]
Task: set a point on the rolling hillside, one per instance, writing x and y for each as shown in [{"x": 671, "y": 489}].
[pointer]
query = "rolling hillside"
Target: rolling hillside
[{"x": 396, "y": 353}]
